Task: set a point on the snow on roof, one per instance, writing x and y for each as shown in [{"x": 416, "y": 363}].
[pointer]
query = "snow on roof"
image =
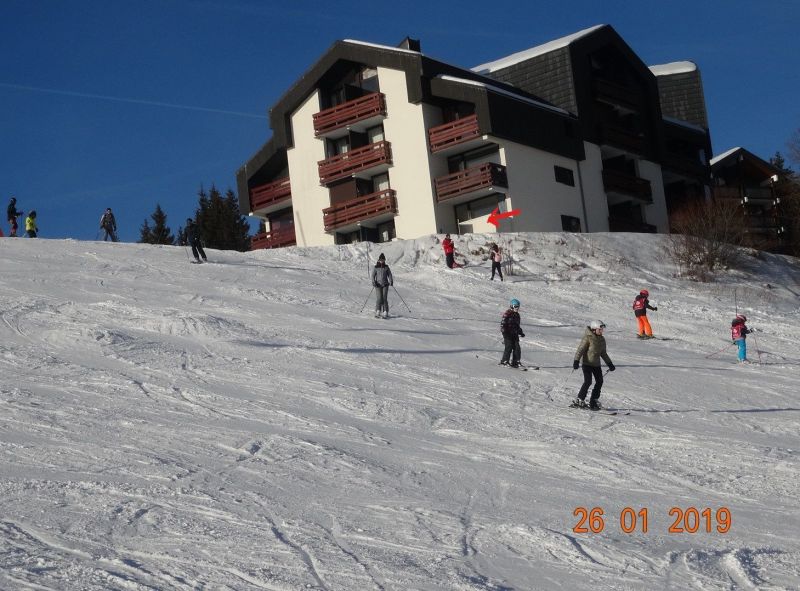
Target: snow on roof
[
  {"x": 673, "y": 68},
  {"x": 684, "y": 124},
  {"x": 499, "y": 90},
  {"x": 521, "y": 56},
  {"x": 381, "y": 46},
  {"x": 724, "y": 155}
]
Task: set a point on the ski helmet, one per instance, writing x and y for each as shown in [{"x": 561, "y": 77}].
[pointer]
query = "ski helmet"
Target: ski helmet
[
  {"x": 515, "y": 303},
  {"x": 645, "y": 293},
  {"x": 595, "y": 324},
  {"x": 741, "y": 317}
]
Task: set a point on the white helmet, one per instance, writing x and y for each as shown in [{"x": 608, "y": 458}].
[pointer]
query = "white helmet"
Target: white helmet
[{"x": 595, "y": 324}]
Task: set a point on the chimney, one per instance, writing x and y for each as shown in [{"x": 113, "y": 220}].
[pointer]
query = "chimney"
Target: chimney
[{"x": 409, "y": 43}]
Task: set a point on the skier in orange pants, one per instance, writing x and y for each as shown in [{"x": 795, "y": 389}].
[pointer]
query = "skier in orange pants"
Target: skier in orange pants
[{"x": 640, "y": 307}]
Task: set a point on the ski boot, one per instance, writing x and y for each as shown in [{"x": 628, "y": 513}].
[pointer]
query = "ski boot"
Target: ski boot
[{"x": 579, "y": 403}]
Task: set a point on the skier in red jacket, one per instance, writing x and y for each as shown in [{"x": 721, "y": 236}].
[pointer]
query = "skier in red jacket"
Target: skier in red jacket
[{"x": 449, "y": 252}]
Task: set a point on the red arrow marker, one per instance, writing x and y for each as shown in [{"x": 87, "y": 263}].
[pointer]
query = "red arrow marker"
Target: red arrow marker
[{"x": 495, "y": 216}]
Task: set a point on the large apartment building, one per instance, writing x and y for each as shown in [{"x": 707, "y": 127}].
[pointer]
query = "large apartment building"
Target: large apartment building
[{"x": 375, "y": 142}]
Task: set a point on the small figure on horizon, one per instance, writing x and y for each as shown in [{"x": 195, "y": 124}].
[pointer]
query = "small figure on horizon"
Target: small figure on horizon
[
  {"x": 641, "y": 304},
  {"x": 109, "y": 224},
  {"x": 590, "y": 350},
  {"x": 193, "y": 240},
  {"x": 30, "y": 225},
  {"x": 381, "y": 280},
  {"x": 13, "y": 214},
  {"x": 739, "y": 334},
  {"x": 449, "y": 252},
  {"x": 497, "y": 258},
  {"x": 511, "y": 329}
]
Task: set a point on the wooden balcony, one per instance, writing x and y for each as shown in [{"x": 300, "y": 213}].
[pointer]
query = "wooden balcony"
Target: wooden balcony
[
  {"x": 627, "y": 185},
  {"x": 360, "y": 160},
  {"x": 266, "y": 196},
  {"x": 627, "y": 139},
  {"x": 454, "y": 133},
  {"x": 360, "y": 209},
  {"x": 276, "y": 239},
  {"x": 685, "y": 166},
  {"x": 483, "y": 178},
  {"x": 371, "y": 106},
  {"x": 616, "y": 94}
]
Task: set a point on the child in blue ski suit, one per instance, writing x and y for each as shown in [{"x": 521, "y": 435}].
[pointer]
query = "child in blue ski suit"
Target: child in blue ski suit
[{"x": 739, "y": 334}]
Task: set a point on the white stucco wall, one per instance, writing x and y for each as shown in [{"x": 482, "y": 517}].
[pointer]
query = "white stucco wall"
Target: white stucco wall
[
  {"x": 656, "y": 213},
  {"x": 410, "y": 176},
  {"x": 532, "y": 188},
  {"x": 594, "y": 193},
  {"x": 309, "y": 198}
]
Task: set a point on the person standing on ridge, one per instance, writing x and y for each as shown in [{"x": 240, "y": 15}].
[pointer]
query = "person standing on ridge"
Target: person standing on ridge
[
  {"x": 109, "y": 224},
  {"x": 193, "y": 240},
  {"x": 739, "y": 334},
  {"x": 640, "y": 307},
  {"x": 512, "y": 331},
  {"x": 449, "y": 252},
  {"x": 381, "y": 280},
  {"x": 590, "y": 350},
  {"x": 497, "y": 258},
  {"x": 13, "y": 214},
  {"x": 30, "y": 225}
]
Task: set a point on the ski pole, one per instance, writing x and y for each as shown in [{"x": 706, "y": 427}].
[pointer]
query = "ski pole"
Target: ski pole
[
  {"x": 365, "y": 301},
  {"x": 401, "y": 298},
  {"x": 757, "y": 349},
  {"x": 720, "y": 351}
]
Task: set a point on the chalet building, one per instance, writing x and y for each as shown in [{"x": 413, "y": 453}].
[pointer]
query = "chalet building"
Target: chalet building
[
  {"x": 747, "y": 180},
  {"x": 376, "y": 142}
]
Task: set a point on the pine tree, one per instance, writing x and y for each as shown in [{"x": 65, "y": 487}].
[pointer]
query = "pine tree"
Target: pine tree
[
  {"x": 160, "y": 232},
  {"x": 145, "y": 233},
  {"x": 222, "y": 226}
]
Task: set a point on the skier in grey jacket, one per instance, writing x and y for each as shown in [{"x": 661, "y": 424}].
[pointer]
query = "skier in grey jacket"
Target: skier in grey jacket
[
  {"x": 590, "y": 350},
  {"x": 381, "y": 280}
]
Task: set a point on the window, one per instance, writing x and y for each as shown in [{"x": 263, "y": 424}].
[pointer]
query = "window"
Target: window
[
  {"x": 570, "y": 223},
  {"x": 380, "y": 182},
  {"x": 375, "y": 134},
  {"x": 565, "y": 176},
  {"x": 478, "y": 208}
]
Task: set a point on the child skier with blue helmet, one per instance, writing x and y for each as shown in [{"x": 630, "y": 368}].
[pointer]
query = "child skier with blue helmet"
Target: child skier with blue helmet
[{"x": 511, "y": 331}]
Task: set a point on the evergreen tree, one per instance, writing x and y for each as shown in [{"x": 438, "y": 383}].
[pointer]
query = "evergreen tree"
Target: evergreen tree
[
  {"x": 145, "y": 233},
  {"x": 222, "y": 226},
  {"x": 160, "y": 232}
]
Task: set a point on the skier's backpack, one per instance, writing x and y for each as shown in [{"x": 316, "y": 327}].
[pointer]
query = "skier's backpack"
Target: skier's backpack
[
  {"x": 737, "y": 329},
  {"x": 638, "y": 302}
]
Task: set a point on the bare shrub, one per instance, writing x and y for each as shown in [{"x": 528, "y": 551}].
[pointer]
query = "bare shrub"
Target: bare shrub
[{"x": 706, "y": 237}]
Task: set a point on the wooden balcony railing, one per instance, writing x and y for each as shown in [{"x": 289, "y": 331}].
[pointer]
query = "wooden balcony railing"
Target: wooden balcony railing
[
  {"x": 275, "y": 239},
  {"x": 359, "y": 209},
  {"x": 617, "y": 94},
  {"x": 456, "y": 132},
  {"x": 270, "y": 194},
  {"x": 360, "y": 159},
  {"x": 615, "y": 181},
  {"x": 481, "y": 177},
  {"x": 684, "y": 165},
  {"x": 621, "y": 137},
  {"x": 350, "y": 112}
]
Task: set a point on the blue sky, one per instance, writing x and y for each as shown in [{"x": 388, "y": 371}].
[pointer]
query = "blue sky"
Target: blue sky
[{"x": 126, "y": 104}]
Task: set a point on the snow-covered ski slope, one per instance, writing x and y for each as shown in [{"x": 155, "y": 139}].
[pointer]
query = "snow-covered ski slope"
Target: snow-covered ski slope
[{"x": 240, "y": 425}]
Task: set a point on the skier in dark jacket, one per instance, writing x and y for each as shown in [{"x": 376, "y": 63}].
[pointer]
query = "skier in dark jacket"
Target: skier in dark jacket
[
  {"x": 641, "y": 304},
  {"x": 109, "y": 224},
  {"x": 193, "y": 240},
  {"x": 381, "y": 280},
  {"x": 590, "y": 350},
  {"x": 511, "y": 331},
  {"x": 13, "y": 214}
]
